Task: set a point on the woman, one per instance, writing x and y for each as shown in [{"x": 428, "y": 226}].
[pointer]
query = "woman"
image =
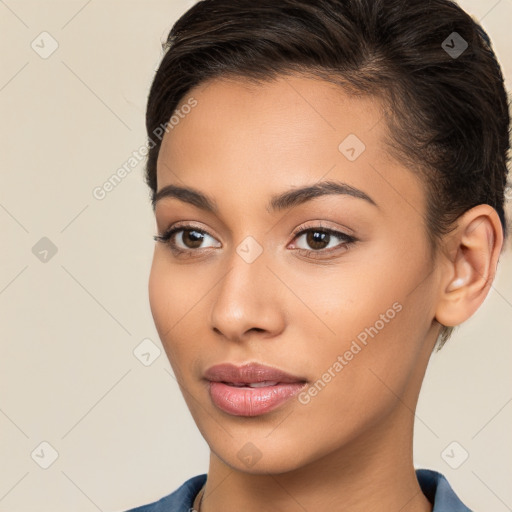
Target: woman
[{"x": 329, "y": 194}]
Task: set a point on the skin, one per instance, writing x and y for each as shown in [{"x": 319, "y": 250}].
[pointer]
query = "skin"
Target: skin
[{"x": 350, "y": 446}]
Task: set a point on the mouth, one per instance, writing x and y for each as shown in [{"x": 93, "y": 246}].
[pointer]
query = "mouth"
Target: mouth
[
  {"x": 251, "y": 389},
  {"x": 249, "y": 373},
  {"x": 261, "y": 384}
]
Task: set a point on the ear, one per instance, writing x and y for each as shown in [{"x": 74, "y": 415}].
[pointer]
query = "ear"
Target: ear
[{"x": 472, "y": 253}]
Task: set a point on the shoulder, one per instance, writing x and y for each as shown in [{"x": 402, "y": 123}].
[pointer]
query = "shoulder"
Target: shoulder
[
  {"x": 439, "y": 492},
  {"x": 181, "y": 500}
]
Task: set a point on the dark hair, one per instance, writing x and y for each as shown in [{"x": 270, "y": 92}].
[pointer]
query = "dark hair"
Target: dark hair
[{"x": 447, "y": 114}]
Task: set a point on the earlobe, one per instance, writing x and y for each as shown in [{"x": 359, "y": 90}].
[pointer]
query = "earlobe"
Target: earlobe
[{"x": 478, "y": 240}]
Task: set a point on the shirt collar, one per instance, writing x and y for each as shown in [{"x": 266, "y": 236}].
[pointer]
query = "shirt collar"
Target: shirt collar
[{"x": 439, "y": 492}]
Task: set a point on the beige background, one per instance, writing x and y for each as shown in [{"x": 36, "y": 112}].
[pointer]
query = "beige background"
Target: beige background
[{"x": 70, "y": 325}]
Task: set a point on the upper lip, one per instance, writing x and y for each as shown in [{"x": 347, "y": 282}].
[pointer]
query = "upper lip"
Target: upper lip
[{"x": 248, "y": 373}]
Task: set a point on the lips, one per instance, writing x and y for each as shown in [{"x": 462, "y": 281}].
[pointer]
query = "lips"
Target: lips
[
  {"x": 250, "y": 373},
  {"x": 251, "y": 389},
  {"x": 253, "y": 384}
]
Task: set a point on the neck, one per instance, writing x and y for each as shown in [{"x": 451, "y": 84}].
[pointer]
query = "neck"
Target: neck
[{"x": 375, "y": 473}]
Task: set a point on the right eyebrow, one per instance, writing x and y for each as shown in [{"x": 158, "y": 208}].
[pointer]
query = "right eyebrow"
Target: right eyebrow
[{"x": 187, "y": 195}]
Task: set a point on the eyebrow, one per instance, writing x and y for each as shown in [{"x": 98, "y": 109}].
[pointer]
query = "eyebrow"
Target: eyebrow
[{"x": 279, "y": 202}]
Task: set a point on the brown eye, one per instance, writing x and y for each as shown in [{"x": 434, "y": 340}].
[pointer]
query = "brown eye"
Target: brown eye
[
  {"x": 190, "y": 240},
  {"x": 318, "y": 239}
]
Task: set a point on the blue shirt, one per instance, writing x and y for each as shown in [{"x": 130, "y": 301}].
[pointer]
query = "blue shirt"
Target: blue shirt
[{"x": 434, "y": 486}]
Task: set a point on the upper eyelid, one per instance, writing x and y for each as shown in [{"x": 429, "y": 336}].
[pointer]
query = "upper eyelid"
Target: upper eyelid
[
  {"x": 300, "y": 230},
  {"x": 178, "y": 227}
]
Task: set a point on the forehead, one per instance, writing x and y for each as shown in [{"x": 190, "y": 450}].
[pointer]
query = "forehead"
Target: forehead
[
  {"x": 285, "y": 132},
  {"x": 289, "y": 118},
  {"x": 291, "y": 107}
]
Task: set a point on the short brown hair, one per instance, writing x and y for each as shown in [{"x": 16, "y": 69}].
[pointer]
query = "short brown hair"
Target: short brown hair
[{"x": 448, "y": 115}]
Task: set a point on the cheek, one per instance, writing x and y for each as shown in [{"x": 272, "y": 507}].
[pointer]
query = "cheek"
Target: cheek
[
  {"x": 158, "y": 291},
  {"x": 165, "y": 304},
  {"x": 379, "y": 321},
  {"x": 175, "y": 304},
  {"x": 171, "y": 292},
  {"x": 357, "y": 385}
]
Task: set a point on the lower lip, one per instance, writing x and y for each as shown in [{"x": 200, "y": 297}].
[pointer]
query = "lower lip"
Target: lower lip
[{"x": 244, "y": 401}]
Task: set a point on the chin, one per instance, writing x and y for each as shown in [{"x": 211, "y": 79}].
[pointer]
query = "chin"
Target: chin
[
  {"x": 262, "y": 455},
  {"x": 270, "y": 464}
]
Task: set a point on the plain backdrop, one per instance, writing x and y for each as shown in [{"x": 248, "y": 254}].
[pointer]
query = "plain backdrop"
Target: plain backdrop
[{"x": 112, "y": 429}]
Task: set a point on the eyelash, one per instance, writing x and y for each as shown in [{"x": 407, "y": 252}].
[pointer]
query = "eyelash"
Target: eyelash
[{"x": 167, "y": 238}]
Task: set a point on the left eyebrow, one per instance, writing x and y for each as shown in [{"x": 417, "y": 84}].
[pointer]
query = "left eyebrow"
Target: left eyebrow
[
  {"x": 283, "y": 201},
  {"x": 299, "y": 196}
]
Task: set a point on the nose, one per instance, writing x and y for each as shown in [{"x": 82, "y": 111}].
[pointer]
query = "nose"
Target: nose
[{"x": 248, "y": 299}]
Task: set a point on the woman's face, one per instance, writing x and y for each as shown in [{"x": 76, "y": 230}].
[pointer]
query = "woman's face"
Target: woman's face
[{"x": 348, "y": 313}]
